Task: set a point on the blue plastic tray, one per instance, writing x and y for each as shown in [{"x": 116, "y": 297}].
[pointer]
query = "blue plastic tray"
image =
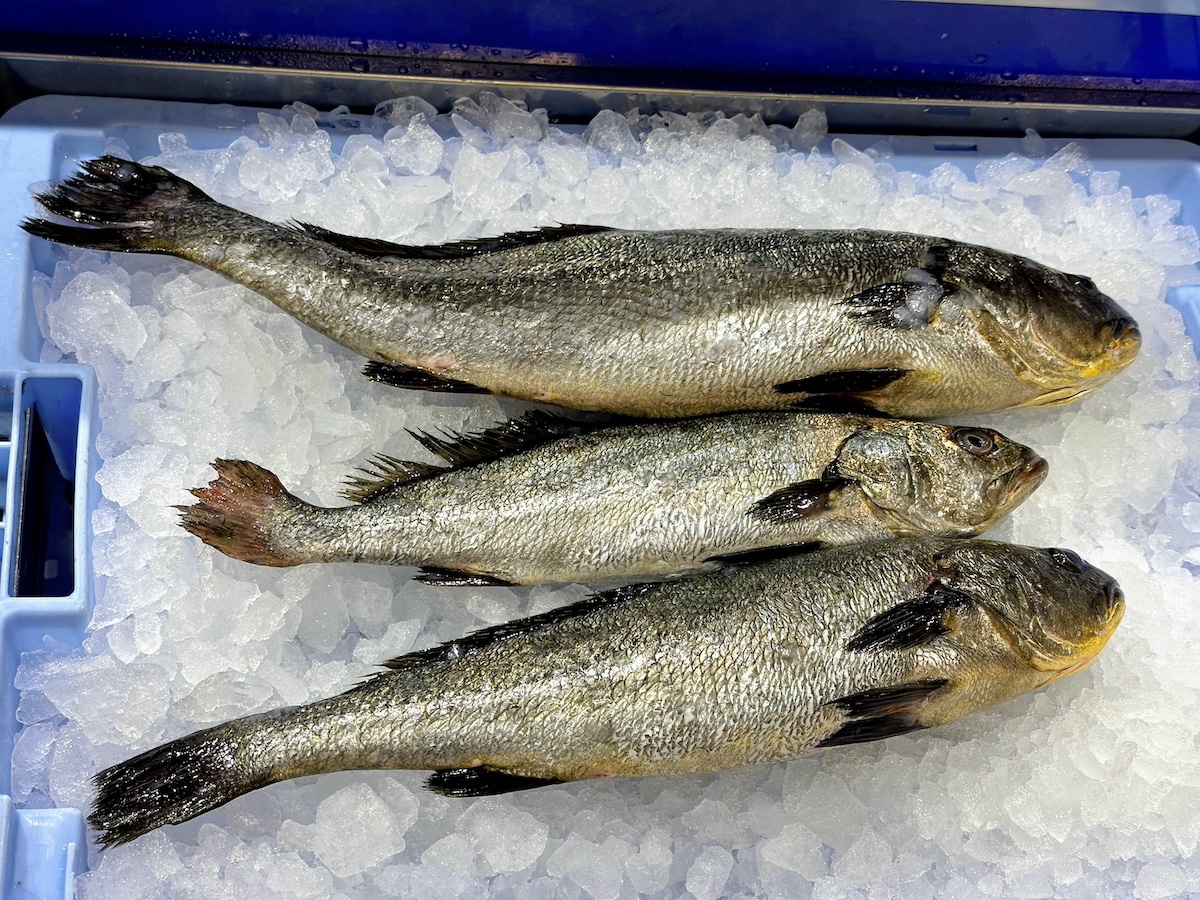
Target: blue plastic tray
[{"x": 42, "y": 850}]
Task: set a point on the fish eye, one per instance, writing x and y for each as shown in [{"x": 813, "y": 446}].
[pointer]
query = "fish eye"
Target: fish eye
[
  {"x": 1067, "y": 559},
  {"x": 1081, "y": 282},
  {"x": 975, "y": 441}
]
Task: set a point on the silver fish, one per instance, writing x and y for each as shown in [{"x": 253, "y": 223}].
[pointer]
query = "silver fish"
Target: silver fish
[
  {"x": 747, "y": 665},
  {"x": 644, "y": 500},
  {"x": 656, "y": 324}
]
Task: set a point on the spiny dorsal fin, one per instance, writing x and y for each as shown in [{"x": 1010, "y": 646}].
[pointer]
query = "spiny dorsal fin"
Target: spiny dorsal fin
[
  {"x": 531, "y": 430},
  {"x": 454, "y": 249},
  {"x": 383, "y": 473},
  {"x": 485, "y": 637}
]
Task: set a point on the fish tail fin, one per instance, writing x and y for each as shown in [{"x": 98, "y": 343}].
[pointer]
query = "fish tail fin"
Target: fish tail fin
[
  {"x": 123, "y": 205},
  {"x": 175, "y": 782},
  {"x": 239, "y": 512}
]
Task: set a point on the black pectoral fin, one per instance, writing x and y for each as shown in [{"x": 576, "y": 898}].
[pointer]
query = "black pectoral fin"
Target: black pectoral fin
[
  {"x": 907, "y": 304},
  {"x": 457, "y": 578},
  {"x": 481, "y": 781},
  {"x": 879, "y": 713},
  {"x": 415, "y": 379},
  {"x": 763, "y": 554},
  {"x": 854, "y": 381},
  {"x": 800, "y": 500},
  {"x": 911, "y": 623}
]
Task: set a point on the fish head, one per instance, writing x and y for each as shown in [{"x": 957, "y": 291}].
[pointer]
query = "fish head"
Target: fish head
[
  {"x": 941, "y": 479},
  {"x": 1056, "y": 331},
  {"x": 1045, "y": 611}
]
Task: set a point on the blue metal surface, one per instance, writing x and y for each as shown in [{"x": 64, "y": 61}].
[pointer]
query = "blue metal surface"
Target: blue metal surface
[{"x": 851, "y": 41}]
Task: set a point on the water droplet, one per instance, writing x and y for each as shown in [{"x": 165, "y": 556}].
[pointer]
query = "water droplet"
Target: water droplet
[{"x": 979, "y": 58}]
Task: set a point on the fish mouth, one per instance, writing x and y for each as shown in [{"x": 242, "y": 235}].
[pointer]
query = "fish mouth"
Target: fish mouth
[
  {"x": 1018, "y": 482},
  {"x": 1087, "y": 652}
]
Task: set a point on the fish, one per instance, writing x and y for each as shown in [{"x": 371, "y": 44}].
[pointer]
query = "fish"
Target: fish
[
  {"x": 544, "y": 499},
  {"x": 652, "y": 324},
  {"x": 746, "y": 665}
]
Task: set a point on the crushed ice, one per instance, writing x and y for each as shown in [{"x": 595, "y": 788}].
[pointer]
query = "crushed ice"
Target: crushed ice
[{"x": 1089, "y": 788}]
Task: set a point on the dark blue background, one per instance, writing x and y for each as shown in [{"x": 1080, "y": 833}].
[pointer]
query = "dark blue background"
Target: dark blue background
[{"x": 838, "y": 39}]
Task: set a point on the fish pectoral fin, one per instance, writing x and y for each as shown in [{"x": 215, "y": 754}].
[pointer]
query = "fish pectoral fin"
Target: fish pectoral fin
[
  {"x": 878, "y": 713},
  {"x": 458, "y": 578},
  {"x": 800, "y": 500},
  {"x": 762, "y": 554},
  {"x": 480, "y": 781},
  {"x": 912, "y": 623},
  {"x": 841, "y": 392},
  {"x": 898, "y": 304},
  {"x": 531, "y": 430},
  {"x": 452, "y": 250},
  {"x": 414, "y": 379}
]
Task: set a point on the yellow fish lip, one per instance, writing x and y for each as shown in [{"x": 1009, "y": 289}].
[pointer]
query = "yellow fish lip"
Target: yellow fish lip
[{"x": 1088, "y": 651}]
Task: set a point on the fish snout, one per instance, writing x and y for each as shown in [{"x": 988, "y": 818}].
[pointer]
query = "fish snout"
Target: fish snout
[
  {"x": 1123, "y": 335},
  {"x": 1110, "y": 603}
]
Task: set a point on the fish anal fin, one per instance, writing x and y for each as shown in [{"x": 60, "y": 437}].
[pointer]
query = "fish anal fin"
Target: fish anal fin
[
  {"x": 480, "y": 781},
  {"x": 853, "y": 381},
  {"x": 530, "y": 430},
  {"x": 800, "y": 500},
  {"x": 763, "y": 554},
  {"x": 486, "y": 637},
  {"x": 458, "y": 578},
  {"x": 453, "y": 250},
  {"x": 912, "y": 623},
  {"x": 414, "y": 379},
  {"x": 878, "y": 713},
  {"x": 382, "y": 473}
]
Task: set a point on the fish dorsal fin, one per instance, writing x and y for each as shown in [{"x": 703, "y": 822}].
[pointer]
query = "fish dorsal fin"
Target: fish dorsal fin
[
  {"x": 382, "y": 473},
  {"x": 533, "y": 429},
  {"x": 486, "y": 637},
  {"x": 452, "y": 250}
]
